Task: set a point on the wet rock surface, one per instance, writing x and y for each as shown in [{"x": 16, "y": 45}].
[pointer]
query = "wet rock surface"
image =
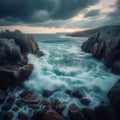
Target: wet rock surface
[
  {"x": 14, "y": 67},
  {"x": 28, "y": 106},
  {"x": 47, "y": 115},
  {"x": 47, "y": 93},
  {"x": 30, "y": 99},
  {"x": 74, "y": 112},
  {"x": 23, "y": 116},
  {"x": 2, "y": 95},
  {"x": 114, "y": 96},
  {"x": 85, "y": 101},
  {"x": 105, "y": 45},
  {"x": 77, "y": 94},
  {"x": 58, "y": 106}
]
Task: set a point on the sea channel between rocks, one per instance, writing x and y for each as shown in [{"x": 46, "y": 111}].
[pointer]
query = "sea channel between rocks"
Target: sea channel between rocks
[{"x": 58, "y": 88}]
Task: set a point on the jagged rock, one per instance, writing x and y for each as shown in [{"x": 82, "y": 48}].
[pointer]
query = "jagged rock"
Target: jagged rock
[
  {"x": 85, "y": 101},
  {"x": 19, "y": 103},
  {"x": 77, "y": 94},
  {"x": 46, "y": 103},
  {"x": 34, "y": 106},
  {"x": 7, "y": 106},
  {"x": 52, "y": 115},
  {"x": 31, "y": 100},
  {"x": 58, "y": 106},
  {"x": 2, "y": 95},
  {"x": 114, "y": 96},
  {"x": 14, "y": 75},
  {"x": 25, "y": 42},
  {"x": 15, "y": 109},
  {"x": 68, "y": 92},
  {"x": 11, "y": 99},
  {"x": 39, "y": 115},
  {"x": 105, "y": 45},
  {"x": 8, "y": 115},
  {"x": 14, "y": 47},
  {"x": 106, "y": 112},
  {"x": 47, "y": 93},
  {"x": 89, "y": 114},
  {"x": 74, "y": 112},
  {"x": 23, "y": 116},
  {"x": 47, "y": 115}
]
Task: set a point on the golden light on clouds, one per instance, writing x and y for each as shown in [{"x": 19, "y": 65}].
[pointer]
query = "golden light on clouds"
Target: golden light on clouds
[
  {"x": 78, "y": 22},
  {"x": 105, "y": 6}
]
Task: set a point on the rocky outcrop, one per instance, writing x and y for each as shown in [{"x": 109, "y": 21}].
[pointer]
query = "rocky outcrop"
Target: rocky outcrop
[
  {"x": 105, "y": 45},
  {"x": 114, "y": 96},
  {"x": 14, "y": 47}
]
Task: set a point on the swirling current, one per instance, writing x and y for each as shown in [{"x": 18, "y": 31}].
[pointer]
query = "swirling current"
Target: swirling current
[{"x": 65, "y": 66}]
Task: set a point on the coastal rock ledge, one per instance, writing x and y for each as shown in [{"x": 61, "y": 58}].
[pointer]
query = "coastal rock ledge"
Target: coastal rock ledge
[
  {"x": 14, "y": 48},
  {"x": 105, "y": 46}
]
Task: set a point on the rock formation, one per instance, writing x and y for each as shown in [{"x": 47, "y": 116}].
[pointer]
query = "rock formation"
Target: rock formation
[
  {"x": 114, "y": 96},
  {"x": 14, "y": 48},
  {"x": 105, "y": 45}
]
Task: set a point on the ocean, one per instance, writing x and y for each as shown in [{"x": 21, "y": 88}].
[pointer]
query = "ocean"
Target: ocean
[{"x": 66, "y": 67}]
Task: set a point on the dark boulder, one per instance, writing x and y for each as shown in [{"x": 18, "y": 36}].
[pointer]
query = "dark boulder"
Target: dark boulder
[
  {"x": 23, "y": 116},
  {"x": 114, "y": 96},
  {"x": 14, "y": 75},
  {"x": 39, "y": 115},
  {"x": 7, "y": 106},
  {"x": 8, "y": 116},
  {"x": 25, "y": 42},
  {"x": 74, "y": 112},
  {"x": 2, "y": 95},
  {"x": 77, "y": 94},
  {"x": 85, "y": 101},
  {"x": 52, "y": 115},
  {"x": 89, "y": 114},
  {"x": 14, "y": 47},
  {"x": 106, "y": 112},
  {"x": 47, "y": 93},
  {"x": 47, "y": 115},
  {"x": 30, "y": 99},
  {"x": 11, "y": 99},
  {"x": 68, "y": 92},
  {"x": 58, "y": 106},
  {"x": 46, "y": 103}
]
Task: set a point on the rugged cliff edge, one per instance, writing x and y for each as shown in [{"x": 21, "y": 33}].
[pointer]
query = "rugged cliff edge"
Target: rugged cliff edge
[
  {"x": 14, "y": 48},
  {"x": 105, "y": 45}
]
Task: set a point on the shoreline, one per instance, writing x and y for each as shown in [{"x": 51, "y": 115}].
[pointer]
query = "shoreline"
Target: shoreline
[{"x": 54, "y": 109}]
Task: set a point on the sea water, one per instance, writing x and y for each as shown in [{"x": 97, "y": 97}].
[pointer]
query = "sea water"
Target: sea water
[{"x": 65, "y": 66}]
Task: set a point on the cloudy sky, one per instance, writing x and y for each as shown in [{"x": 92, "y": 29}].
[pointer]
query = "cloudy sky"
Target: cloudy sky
[{"x": 49, "y": 16}]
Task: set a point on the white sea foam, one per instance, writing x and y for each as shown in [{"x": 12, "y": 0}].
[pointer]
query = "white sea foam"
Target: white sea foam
[{"x": 65, "y": 66}]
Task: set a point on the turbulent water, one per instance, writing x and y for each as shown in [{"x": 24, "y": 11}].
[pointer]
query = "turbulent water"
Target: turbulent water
[{"x": 66, "y": 66}]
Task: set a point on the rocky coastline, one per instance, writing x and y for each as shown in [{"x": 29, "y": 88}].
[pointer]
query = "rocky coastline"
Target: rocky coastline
[
  {"x": 14, "y": 48},
  {"x": 105, "y": 46},
  {"x": 14, "y": 69}
]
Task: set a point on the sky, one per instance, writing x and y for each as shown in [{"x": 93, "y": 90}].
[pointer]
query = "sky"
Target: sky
[{"x": 52, "y": 16}]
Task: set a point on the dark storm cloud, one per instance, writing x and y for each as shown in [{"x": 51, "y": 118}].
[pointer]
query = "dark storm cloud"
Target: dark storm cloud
[
  {"x": 114, "y": 17},
  {"x": 92, "y": 13},
  {"x": 32, "y": 11}
]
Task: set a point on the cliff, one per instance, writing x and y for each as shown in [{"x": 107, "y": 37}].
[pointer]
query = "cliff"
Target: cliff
[
  {"x": 105, "y": 46},
  {"x": 14, "y": 47}
]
